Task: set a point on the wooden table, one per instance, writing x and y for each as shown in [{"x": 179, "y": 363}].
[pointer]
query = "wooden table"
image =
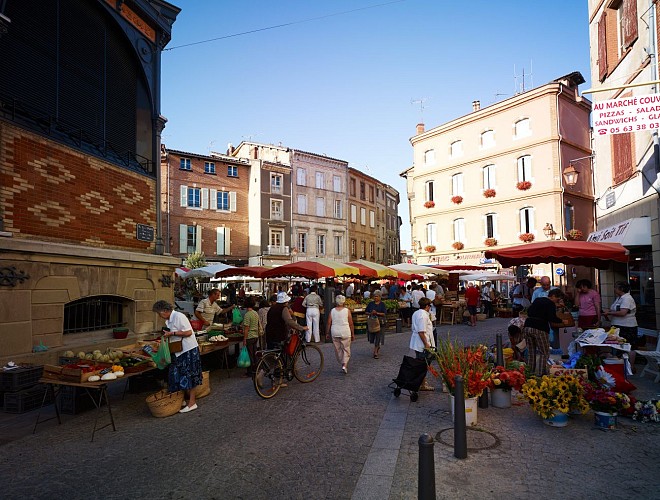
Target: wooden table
[{"x": 54, "y": 386}]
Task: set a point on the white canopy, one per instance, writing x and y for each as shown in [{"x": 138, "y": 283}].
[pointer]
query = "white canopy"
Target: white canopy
[
  {"x": 487, "y": 276},
  {"x": 206, "y": 271},
  {"x": 415, "y": 269}
]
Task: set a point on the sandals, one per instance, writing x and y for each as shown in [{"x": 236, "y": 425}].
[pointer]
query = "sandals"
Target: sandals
[{"x": 375, "y": 356}]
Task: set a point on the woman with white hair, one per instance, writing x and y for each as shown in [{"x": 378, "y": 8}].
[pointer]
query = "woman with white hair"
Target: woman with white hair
[{"x": 340, "y": 326}]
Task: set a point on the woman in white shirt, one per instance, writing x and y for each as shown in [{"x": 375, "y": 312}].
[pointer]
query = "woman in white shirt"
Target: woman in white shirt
[{"x": 340, "y": 326}]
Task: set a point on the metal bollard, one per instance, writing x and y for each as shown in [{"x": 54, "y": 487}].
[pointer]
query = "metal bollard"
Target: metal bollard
[
  {"x": 399, "y": 325},
  {"x": 460, "y": 428},
  {"x": 426, "y": 473},
  {"x": 483, "y": 399},
  {"x": 498, "y": 346}
]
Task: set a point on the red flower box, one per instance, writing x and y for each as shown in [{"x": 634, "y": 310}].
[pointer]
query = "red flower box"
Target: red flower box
[
  {"x": 489, "y": 193},
  {"x": 490, "y": 242},
  {"x": 429, "y": 204},
  {"x": 429, "y": 248},
  {"x": 524, "y": 185},
  {"x": 457, "y": 199},
  {"x": 526, "y": 237},
  {"x": 574, "y": 234},
  {"x": 458, "y": 245}
]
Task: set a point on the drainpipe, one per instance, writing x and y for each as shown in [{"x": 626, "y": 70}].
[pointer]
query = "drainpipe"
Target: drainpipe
[
  {"x": 561, "y": 177},
  {"x": 159, "y": 124},
  {"x": 654, "y": 76}
]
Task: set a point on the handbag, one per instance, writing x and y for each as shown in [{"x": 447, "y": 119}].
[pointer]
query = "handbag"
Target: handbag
[
  {"x": 175, "y": 345},
  {"x": 243, "y": 358},
  {"x": 373, "y": 324}
]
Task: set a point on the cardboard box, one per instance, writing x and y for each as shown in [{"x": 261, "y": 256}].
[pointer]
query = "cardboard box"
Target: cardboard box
[{"x": 557, "y": 371}]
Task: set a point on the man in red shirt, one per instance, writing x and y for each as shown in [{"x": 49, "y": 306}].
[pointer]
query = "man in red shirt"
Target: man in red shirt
[{"x": 472, "y": 299}]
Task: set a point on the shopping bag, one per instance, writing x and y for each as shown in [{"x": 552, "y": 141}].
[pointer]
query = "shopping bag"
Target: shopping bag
[
  {"x": 243, "y": 358},
  {"x": 237, "y": 317},
  {"x": 162, "y": 356},
  {"x": 373, "y": 325}
]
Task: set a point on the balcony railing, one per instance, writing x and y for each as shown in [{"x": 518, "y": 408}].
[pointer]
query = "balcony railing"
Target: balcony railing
[{"x": 277, "y": 250}]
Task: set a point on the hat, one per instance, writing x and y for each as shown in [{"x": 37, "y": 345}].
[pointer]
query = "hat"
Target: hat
[{"x": 282, "y": 298}]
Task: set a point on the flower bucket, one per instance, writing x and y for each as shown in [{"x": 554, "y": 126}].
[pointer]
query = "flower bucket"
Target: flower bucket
[
  {"x": 470, "y": 410},
  {"x": 559, "y": 419},
  {"x": 605, "y": 420},
  {"x": 500, "y": 398}
]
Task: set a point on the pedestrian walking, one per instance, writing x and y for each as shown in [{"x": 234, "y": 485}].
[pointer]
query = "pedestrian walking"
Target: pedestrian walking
[
  {"x": 313, "y": 304},
  {"x": 421, "y": 338},
  {"x": 376, "y": 312},
  {"x": 342, "y": 331}
]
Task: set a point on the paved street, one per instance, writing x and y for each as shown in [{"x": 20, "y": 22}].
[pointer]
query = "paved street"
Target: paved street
[{"x": 343, "y": 436}]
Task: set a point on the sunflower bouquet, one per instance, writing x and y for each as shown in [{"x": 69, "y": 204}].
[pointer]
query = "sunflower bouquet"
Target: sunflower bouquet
[
  {"x": 548, "y": 394},
  {"x": 470, "y": 362}
]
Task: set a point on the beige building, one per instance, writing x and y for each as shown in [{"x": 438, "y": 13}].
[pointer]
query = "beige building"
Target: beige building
[
  {"x": 319, "y": 206},
  {"x": 624, "y": 54},
  {"x": 494, "y": 176}
]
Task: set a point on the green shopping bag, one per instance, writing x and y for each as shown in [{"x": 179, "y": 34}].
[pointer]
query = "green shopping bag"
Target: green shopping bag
[
  {"x": 162, "y": 356},
  {"x": 243, "y": 358},
  {"x": 237, "y": 317}
]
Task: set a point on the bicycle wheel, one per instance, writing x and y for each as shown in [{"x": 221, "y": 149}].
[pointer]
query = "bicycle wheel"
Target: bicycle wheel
[
  {"x": 308, "y": 363},
  {"x": 268, "y": 376}
]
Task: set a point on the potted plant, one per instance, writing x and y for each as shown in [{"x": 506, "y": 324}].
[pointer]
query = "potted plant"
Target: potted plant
[
  {"x": 429, "y": 204},
  {"x": 458, "y": 245},
  {"x": 605, "y": 403},
  {"x": 457, "y": 199},
  {"x": 526, "y": 237},
  {"x": 490, "y": 242},
  {"x": 553, "y": 397},
  {"x": 501, "y": 382},
  {"x": 489, "y": 193},
  {"x": 429, "y": 248},
  {"x": 471, "y": 363},
  {"x": 574, "y": 234},
  {"x": 524, "y": 185}
]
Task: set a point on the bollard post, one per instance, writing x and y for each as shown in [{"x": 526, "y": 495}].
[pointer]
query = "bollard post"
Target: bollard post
[
  {"x": 500, "y": 355},
  {"x": 426, "y": 473},
  {"x": 460, "y": 428},
  {"x": 399, "y": 325},
  {"x": 483, "y": 399}
]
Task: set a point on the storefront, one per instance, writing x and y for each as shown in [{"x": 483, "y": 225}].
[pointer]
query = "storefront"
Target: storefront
[{"x": 635, "y": 235}]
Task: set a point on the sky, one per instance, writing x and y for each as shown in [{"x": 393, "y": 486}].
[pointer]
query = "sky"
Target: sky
[{"x": 344, "y": 78}]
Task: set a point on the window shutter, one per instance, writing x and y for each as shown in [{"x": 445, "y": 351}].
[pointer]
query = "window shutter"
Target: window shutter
[
  {"x": 532, "y": 224},
  {"x": 523, "y": 226},
  {"x": 205, "y": 198},
  {"x": 213, "y": 199},
  {"x": 184, "y": 196},
  {"x": 227, "y": 241},
  {"x": 629, "y": 13},
  {"x": 622, "y": 157},
  {"x": 232, "y": 201},
  {"x": 220, "y": 240},
  {"x": 602, "y": 47},
  {"x": 183, "y": 238},
  {"x": 198, "y": 238}
]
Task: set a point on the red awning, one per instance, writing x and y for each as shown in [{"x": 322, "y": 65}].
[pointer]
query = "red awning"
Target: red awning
[
  {"x": 577, "y": 253},
  {"x": 253, "y": 271}
]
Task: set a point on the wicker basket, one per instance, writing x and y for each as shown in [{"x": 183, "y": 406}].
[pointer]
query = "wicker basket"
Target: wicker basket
[
  {"x": 165, "y": 404},
  {"x": 204, "y": 389}
]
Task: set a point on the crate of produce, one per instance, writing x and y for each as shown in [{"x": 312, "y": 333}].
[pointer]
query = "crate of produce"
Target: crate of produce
[
  {"x": 23, "y": 377},
  {"x": 26, "y": 400}
]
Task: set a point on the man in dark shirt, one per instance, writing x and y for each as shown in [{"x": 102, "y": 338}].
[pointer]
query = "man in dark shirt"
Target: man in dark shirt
[{"x": 541, "y": 315}]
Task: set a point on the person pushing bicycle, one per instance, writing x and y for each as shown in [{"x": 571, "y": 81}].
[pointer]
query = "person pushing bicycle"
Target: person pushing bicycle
[{"x": 280, "y": 321}]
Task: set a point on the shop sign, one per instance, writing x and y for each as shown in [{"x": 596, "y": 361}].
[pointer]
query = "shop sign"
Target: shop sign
[{"x": 637, "y": 113}]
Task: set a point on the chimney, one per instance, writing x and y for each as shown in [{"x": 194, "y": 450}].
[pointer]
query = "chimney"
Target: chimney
[
  {"x": 230, "y": 149},
  {"x": 476, "y": 105},
  {"x": 420, "y": 128}
]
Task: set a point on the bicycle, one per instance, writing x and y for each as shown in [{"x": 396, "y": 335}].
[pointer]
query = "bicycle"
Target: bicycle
[{"x": 305, "y": 364}]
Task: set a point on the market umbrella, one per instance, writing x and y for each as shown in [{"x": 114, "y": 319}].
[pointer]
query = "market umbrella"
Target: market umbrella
[
  {"x": 458, "y": 267},
  {"x": 251, "y": 271},
  {"x": 578, "y": 253},
  {"x": 415, "y": 269},
  {"x": 181, "y": 271},
  {"x": 207, "y": 271},
  {"x": 487, "y": 276},
  {"x": 313, "y": 269},
  {"x": 373, "y": 270}
]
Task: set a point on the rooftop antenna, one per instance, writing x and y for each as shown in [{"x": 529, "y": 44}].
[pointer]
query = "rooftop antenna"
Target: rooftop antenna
[
  {"x": 523, "y": 87},
  {"x": 421, "y": 102}
]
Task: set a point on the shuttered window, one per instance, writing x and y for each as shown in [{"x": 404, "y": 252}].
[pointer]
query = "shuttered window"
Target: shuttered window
[
  {"x": 602, "y": 46},
  {"x": 622, "y": 154},
  {"x": 628, "y": 23}
]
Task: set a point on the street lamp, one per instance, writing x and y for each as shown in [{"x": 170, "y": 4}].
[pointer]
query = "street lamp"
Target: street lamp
[
  {"x": 549, "y": 231},
  {"x": 570, "y": 175}
]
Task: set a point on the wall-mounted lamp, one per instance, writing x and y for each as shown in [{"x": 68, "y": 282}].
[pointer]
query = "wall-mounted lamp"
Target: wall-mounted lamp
[
  {"x": 549, "y": 231},
  {"x": 570, "y": 175}
]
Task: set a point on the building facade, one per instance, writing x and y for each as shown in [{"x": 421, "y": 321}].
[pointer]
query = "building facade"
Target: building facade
[
  {"x": 494, "y": 177},
  {"x": 205, "y": 205},
  {"x": 80, "y": 132},
  {"x": 319, "y": 206},
  {"x": 362, "y": 232},
  {"x": 392, "y": 243},
  {"x": 624, "y": 54}
]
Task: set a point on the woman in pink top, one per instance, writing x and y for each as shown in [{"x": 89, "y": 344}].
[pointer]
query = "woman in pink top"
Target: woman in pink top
[{"x": 589, "y": 302}]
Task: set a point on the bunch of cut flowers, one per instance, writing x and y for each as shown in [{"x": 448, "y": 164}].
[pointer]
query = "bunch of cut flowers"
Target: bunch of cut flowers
[
  {"x": 507, "y": 378},
  {"x": 548, "y": 394},
  {"x": 646, "y": 411},
  {"x": 470, "y": 362},
  {"x": 603, "y": 399}
]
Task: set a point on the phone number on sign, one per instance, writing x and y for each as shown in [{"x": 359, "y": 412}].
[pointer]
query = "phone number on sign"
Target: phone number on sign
[{"x": 632, "y": 128}]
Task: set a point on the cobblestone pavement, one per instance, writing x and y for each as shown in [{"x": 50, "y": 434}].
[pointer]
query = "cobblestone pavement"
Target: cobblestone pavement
[{"x": 342, "y": 436}]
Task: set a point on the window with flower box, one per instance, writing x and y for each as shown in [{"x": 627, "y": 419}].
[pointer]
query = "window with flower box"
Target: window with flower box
[
  {"x": 457, "y": 184},
  {"x": 459, "y": 230},
  {"x": 527, "y": 220},
  {"x": 489, "y": 177},
  {"x": 431, "y": 233},
  {"x": 524, "y": 168},
  {"x": 428, "y": 190}
]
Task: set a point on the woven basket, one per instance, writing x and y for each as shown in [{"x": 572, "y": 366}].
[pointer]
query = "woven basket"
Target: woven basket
[
  {"x": 164, "y": 404},
  {"x": 204, "y": 389}
]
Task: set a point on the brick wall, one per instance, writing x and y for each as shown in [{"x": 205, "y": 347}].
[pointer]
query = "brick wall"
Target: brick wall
[{"x": 50, "y": 192}]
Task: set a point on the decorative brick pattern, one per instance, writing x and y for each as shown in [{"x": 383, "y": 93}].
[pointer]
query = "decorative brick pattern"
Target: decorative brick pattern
[{"x": 54, "y": 193}]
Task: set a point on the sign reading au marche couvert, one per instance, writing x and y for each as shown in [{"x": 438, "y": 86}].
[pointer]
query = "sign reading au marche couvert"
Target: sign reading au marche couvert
[{"x": 635, "y": 113}]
